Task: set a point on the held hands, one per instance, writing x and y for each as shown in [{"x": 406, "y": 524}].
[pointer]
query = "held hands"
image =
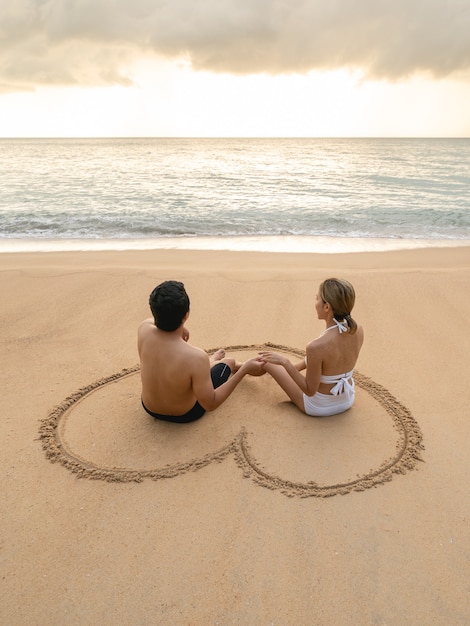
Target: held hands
[
  {"x": 274, "y": 358},
  {"x": 254, "y": 367}
]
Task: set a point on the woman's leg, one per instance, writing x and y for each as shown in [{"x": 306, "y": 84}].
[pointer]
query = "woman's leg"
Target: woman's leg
[{"x": 287, "y": 384}]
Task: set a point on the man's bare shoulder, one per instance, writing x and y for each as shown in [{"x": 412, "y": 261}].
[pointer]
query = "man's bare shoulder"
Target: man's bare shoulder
[
  {"x": 148, "y": 332},
  {"x": 147, "y": 323},
  {"x": 196, "y": 353},
  {"x": 145, "y": 330}
]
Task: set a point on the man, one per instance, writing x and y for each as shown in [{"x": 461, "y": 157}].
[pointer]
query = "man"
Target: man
[{"x": 178, "y": 382}]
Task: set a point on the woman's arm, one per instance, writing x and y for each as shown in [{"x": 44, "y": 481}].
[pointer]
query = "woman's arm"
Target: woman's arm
[{"x": 308, "y": 383}]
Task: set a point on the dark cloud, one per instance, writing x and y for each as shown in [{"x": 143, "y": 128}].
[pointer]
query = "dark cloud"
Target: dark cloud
[{"x": 93, "y": 41}]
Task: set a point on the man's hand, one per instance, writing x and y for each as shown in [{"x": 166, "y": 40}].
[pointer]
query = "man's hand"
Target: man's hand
[{"x": 253, "y": 367}]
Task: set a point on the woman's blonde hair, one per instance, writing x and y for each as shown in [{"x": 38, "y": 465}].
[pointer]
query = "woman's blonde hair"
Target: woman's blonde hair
[{"x": 341, "y": 296}]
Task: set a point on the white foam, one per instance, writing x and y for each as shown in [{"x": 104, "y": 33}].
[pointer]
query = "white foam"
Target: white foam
[{"x": 291, "y": 244}]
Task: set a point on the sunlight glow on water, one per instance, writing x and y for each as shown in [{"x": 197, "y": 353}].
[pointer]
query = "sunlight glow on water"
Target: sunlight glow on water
[{"x": 253, "y": 193}]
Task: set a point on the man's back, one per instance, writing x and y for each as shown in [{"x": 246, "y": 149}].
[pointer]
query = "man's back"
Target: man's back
[
  {"x": 177, "y": 379},
  {"x": 168, "y": 365}
]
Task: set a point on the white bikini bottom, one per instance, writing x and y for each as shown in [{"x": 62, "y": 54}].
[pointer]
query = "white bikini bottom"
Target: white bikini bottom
[{"x": 324, "y": 404}]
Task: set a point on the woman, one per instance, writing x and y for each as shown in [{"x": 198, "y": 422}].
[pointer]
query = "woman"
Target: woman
[{"x": 328, "y": 386}]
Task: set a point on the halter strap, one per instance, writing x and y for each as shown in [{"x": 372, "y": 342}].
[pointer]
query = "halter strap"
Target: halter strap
[{"x": 341, "y": 326}]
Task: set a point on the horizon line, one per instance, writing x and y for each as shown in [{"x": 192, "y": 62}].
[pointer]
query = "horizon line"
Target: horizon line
[{"x": 237, "y": 137}]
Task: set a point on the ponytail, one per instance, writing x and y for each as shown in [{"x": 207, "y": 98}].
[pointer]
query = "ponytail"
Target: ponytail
[
  {"x": 346, "y": 317},
  {"x": 351, "y": 323}
]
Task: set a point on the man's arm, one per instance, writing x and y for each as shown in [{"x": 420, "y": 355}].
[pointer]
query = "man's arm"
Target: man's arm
[
  {"x": 143, "y": 330},
  {"x": 210, "y": 398}
]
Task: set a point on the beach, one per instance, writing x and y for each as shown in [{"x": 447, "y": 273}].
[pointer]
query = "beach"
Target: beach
[{"x": 255, "y": 514}]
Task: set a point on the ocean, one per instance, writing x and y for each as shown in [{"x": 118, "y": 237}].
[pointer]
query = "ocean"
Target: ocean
[{"x": 326, "y": 195}]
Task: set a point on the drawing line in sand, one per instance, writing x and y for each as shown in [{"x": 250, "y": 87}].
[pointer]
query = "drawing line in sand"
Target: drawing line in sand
[{"x": 407, "y": 452}]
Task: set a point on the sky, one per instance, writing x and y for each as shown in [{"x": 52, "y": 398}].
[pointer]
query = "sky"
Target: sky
[{"x": 234, "y": 68}]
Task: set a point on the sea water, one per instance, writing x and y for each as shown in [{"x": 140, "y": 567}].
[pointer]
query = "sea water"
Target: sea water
[{"x": 326, "y": 195}]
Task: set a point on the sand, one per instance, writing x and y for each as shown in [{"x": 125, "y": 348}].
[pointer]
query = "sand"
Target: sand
[{"x": 255, "y": 514}]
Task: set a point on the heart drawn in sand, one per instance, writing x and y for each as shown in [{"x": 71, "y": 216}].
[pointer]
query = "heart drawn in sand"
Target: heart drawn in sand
[{"x": 273, "y": 443}]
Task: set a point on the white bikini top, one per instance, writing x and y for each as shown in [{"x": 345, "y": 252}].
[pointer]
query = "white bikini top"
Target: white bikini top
[
  {"x": 343, "y": 383},
  {"x": 341, "y": 326}
]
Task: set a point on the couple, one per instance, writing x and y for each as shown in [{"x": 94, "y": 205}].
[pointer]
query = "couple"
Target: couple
[{"x": 180, "y": 382}]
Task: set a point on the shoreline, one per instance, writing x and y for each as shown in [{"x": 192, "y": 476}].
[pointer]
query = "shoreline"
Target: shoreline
[
  {"x": 286, "y": 243},
  {"x": 189, "y": 263}
]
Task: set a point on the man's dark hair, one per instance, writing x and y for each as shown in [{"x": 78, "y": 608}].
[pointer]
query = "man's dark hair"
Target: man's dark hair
[{"x": 169, "y": 304}]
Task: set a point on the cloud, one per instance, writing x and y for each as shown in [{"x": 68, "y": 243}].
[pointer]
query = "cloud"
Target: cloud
[{"x": 93, "y": 42}]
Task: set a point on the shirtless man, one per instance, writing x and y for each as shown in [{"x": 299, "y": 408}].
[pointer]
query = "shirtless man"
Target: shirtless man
[{"x": 178, "y": 382}]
